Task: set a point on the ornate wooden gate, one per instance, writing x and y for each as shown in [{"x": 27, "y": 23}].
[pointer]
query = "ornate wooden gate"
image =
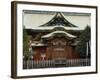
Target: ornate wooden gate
[{"x": 61, "y": 49}]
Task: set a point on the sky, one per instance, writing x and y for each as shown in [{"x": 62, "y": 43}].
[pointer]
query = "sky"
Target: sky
[{"x": 33, "y": 19}]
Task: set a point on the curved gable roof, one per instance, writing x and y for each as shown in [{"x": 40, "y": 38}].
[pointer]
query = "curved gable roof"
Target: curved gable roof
[
  {"x": 58, "y": 19},
  {"x": 59, "y": 32}
]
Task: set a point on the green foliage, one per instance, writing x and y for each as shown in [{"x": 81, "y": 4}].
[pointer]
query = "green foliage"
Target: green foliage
[
  {"x": 83, "y": 39},
  {"x": 85, "y": 36},
  {"x": 26, "y": 39}
]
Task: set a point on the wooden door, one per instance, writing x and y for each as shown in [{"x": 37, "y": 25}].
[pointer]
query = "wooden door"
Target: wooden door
[{"x": 59, "y": 49}]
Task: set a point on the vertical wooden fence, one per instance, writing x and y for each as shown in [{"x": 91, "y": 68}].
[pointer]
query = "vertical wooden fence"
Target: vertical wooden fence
[{"x": 30, "y": 64}]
